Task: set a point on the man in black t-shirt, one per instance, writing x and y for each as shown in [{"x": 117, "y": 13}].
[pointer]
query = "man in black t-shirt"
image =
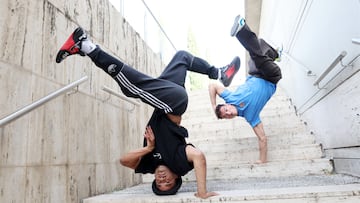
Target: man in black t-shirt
[{"x": 165, "y": 152}]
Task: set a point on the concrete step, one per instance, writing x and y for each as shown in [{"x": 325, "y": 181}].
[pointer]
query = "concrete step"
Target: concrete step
[
  {"x": 329, "y": 188},
  {"x": 244, "y": 150},
  {"x": 219, "y": 156},
  {"x": 243, "y": 127},
  {"x": 229, "y": 142},
  {"x": 212, "y": 133},
  {"x": 319, "y": 194},
  {"x": 270, "y": 169},
  {"x": 238, "y": 171}
]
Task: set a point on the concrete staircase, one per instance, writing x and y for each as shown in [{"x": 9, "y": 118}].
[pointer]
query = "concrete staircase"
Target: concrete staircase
[{"x": 296, "y": 171}]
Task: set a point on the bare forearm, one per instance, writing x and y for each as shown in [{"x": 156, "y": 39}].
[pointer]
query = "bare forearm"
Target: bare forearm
[
  {"x": 263, "y": 150},
  {"x": 200, "y": 173},
  {"x": 198, "y": 159},
  {"x": 260, "y": 133},
  {"x": 132, "y": 158},
  {"x": 212, "y": 95}
]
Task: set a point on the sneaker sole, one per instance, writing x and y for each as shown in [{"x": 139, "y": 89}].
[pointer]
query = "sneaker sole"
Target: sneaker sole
[
  {"x": 72, "y": 45},
  {"x": 235, "y": 26},
  {"x": 232, "y": 72}
]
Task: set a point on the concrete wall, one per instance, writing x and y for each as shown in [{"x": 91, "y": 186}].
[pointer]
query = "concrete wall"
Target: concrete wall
[
  {"x": 253, "y": 14},
  {"x": 314, "y": 33},
  {"x": 68, "y": 148}
]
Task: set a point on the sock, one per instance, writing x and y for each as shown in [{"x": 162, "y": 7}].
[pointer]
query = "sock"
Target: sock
[{"x": 87, "y": 46}]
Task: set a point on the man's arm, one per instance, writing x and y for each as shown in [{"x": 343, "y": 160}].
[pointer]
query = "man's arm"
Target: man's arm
[
  {"x": 132, "y": 158},
  {"x": 260, "y": 133},
  {"x": 214, "y": 90},
  {"x": 198, "y": 158}
]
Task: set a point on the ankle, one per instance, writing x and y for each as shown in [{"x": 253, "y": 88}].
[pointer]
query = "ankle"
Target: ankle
[
  {"x": 219, "y": 74},
  {"x": 87, "y": 46}
]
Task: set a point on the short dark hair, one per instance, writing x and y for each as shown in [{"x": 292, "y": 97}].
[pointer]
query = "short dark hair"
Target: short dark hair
[
  {"x": 217, "y": 111},
  {"x": 172, "y": 191}
]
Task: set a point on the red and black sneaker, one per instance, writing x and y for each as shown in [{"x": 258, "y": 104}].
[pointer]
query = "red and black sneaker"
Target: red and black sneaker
[
  {"x": 228, "y": 72},
  {"x": 72, "y": 45}
]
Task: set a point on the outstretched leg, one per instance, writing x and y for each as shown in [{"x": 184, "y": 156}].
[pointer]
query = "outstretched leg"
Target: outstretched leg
[
  {"x": 183, "y": 61},
  {"x": 262, "y": 54},
  {"x": 157, "y": 92}
]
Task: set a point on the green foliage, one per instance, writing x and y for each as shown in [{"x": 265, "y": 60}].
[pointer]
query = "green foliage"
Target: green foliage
[{"x": 196, "y": 80}]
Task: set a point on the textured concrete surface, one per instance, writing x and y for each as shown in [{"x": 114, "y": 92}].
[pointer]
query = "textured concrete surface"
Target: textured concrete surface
[
  {"x": 306, "y": 31},
  {"x": 256, "y": 183},
  {"x": 68, "y": 148},
  {"x": 334, "y": 188}
]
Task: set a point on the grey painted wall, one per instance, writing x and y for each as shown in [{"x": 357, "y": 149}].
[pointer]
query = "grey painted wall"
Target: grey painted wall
[
  {"x": 314, "y": 33},
  {"x": 68, "y": 148}
]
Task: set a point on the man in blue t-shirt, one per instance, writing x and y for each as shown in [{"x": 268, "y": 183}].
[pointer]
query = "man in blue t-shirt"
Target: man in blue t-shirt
[{"x": 250, "y": 98}]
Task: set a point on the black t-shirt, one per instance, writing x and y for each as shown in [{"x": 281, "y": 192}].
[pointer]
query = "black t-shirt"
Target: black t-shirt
[{"x": 169, "y": 147}]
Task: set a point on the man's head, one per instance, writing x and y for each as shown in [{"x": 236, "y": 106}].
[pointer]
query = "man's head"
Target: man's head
[
  {"x": 166, "y": 182},
  {"x": 226, "y": 111}
]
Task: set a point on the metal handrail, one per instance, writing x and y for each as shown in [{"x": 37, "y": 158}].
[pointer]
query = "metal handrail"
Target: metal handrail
[
  {"x": 356, "y": 40},
  {"x": 158, "y": 23},
  {"x": 303, "y": 67},
  {"x": 332, "y": 66},
  {"x": 40, "y": 102},
  {"x": 106, "y": 89}
]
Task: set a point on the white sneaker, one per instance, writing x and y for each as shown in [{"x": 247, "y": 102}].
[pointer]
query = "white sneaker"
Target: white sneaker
[{"x": 239, "y": 22}]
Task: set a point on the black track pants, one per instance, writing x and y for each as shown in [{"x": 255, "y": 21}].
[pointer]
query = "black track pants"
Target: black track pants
[
  {"x": 262, "y": 56},
  {"x": 167, "y": 92}
]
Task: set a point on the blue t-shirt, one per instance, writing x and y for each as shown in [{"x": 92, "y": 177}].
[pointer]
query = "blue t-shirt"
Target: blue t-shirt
[{"x": 250, "y": 98}]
